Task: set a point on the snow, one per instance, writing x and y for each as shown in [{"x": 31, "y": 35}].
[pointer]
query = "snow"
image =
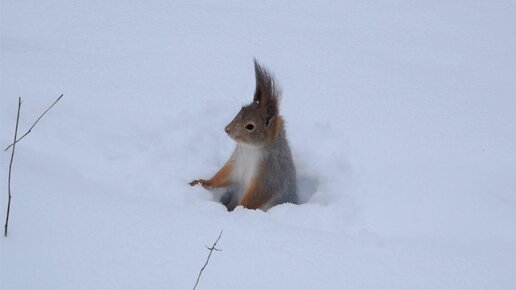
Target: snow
[{"x": 400, "y": 115}]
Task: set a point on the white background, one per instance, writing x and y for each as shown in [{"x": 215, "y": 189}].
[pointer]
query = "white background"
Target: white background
[{"x": 401, "y": 118}]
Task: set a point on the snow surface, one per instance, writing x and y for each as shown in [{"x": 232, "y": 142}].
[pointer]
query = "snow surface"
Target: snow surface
[{"x": 400, "y": 114}]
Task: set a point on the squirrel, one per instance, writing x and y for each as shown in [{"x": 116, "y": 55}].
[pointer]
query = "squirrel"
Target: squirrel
[{"x": 260, "y": 172}]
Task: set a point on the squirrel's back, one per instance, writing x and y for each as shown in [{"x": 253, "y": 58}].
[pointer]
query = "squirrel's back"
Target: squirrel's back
[{"x": 278, "y": 171}]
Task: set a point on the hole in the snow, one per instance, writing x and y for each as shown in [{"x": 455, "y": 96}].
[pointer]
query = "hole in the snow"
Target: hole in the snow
[{"x": 306, "y": 187}]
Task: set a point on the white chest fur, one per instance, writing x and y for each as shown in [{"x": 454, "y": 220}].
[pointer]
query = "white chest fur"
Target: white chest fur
[{"x": 246, "y": 158}]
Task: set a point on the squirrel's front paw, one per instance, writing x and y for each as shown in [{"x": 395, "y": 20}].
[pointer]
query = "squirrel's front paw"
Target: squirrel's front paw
[
  {"x": 194, "y": 182},
  {"x": 205, "y": 183}
]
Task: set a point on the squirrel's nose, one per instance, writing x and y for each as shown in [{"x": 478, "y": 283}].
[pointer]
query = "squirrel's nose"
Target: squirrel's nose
[{"x": 227, "y": 130}]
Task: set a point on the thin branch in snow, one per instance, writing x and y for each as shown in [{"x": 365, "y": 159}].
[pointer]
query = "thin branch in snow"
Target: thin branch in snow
[
  {"x": 11, "y": 167},
  {"x": 31, "y": 127},
  {"x": 212, "y": 248}
]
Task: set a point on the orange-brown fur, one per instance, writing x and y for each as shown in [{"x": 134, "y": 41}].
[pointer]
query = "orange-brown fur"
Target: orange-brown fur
[
  {"x": 251, "y": 198},
  {"x": 278, "y": 124}
]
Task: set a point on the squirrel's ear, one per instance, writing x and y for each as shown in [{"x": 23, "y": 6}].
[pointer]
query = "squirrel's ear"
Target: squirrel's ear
[
  {"x": 267, "y": 92},
  {"x": 259, "y": 75}
]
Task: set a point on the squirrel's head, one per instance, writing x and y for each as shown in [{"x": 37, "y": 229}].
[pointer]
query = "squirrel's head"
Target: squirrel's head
[{"x": 258, "y": 122}]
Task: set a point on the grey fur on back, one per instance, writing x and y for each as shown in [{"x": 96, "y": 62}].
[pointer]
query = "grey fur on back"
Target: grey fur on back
[{"x": 279, "y": 173}]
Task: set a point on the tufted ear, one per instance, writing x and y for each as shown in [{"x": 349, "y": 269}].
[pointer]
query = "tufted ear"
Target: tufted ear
[
  {"x": 266, "y": 93},
  {"x": 261, "y": 82}
]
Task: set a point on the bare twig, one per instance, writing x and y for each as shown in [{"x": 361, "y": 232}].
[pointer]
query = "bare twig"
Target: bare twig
[
  {"x": 208, "y": 259},
  {"x": 31, "y": 127},
  {"x": 11, "y": 167}
]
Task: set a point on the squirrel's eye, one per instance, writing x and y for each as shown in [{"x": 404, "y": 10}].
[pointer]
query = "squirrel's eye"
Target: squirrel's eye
[{"x": 249, "y": 127}]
